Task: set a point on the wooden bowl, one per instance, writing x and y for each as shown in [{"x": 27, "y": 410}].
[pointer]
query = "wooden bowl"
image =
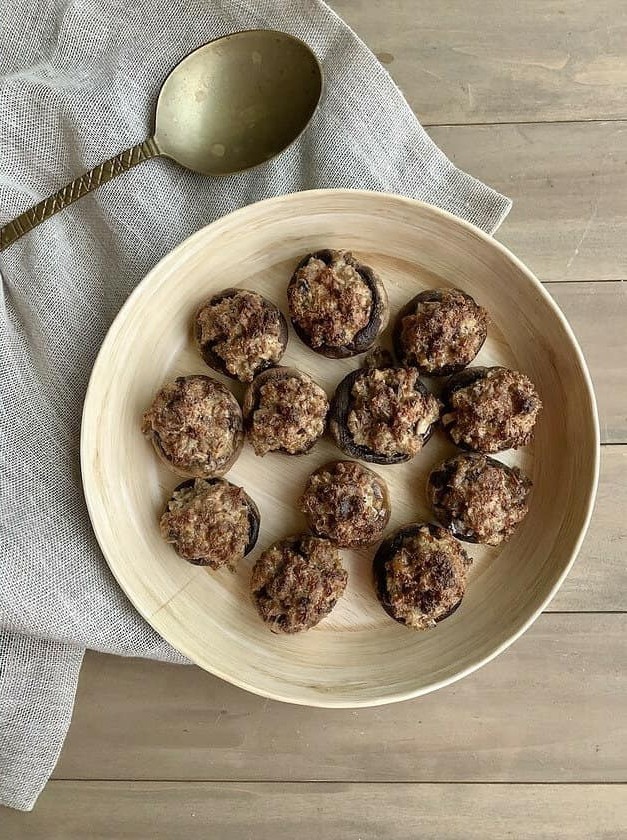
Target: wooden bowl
[{"x": 357, "y": 656}]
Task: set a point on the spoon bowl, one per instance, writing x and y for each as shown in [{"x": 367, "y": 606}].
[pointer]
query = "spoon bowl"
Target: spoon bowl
[
  {"x": 232, "y": 104},
  {"x": 237, "y": 102}
]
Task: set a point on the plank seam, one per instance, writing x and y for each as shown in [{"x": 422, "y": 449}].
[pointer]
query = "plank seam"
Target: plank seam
[
  {"x": 331, "y": 782},
  {"x": 590, "y": 121}
]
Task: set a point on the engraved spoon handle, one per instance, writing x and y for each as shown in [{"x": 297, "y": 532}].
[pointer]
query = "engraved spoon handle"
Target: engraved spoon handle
[{"x": 77, "y": 189}]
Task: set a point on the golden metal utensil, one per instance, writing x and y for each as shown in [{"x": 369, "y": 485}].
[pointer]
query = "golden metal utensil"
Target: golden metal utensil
[{"x": 228, "y": 106}]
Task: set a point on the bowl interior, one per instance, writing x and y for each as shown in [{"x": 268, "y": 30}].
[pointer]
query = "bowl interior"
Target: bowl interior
[{"x": 358, "y": 655}]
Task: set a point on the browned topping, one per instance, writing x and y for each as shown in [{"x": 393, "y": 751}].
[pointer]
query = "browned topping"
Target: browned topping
[
  {"x": 208, "y": 523},
  {"x": 388, "y": 414},
  {"x": 244, "y": 329},
  {"x": 443, "y": 333},
  {"x": 426, "y": 577},
  {"x": 347, "y": 503},
  {"x": 496, "y": 412},
  {"x": 296, "y": 583},
  {"x": 330, "y": 303},
  {"x": 479, "y": 498},
  {"x": 291, "y": 415},
  {"x": 196, "y": 423}
]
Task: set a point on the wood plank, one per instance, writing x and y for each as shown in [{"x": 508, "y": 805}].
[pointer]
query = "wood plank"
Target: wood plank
[
  {"x": 597, "y": 313},
  {"x": 549, "y": 709},
  {"x": 477, "y": 61},
  {"x": 598, "y": 580},
  {"x": 569, "y": 187},
  {"x": 161, "y": 811}
]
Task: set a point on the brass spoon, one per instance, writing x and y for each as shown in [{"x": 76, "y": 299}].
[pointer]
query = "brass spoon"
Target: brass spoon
[{"x": 230, "y": 105}]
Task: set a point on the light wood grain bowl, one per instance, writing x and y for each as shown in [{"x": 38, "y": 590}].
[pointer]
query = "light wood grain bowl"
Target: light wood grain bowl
[{"x": 357, "y": 656}]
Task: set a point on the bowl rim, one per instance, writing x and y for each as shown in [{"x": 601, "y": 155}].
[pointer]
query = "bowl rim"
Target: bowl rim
[{"x": 268, "y": 204}]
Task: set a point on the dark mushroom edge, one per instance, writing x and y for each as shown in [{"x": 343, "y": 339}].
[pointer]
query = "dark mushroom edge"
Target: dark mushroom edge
[
  {"x": 405, "y": 358},
  {"x": 252, "y": 400},
  {"x": 338, "y": 416},
  {"x": 378, "y": 357},
  {"x": 254, "y": 516},
  {"x": 341, "y": 523},
  {"x": 366, "y": 337},
  {"x": 215, "y": 361},
  {"x": 386, "y": 553},
  {"x": 463, "y": 379},
  {"x": 237, "y": 430},
  {"x": 513, "y": 508}
]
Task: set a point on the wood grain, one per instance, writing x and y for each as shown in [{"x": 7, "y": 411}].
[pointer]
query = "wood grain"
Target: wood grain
[
  {"x": 597, "y": 313},
  {"x": 569, "y": 187},
  {"x": 478, "y": 61},
  {"x": 598, "y": 580},
  {"x": 550, "y": 709},
  {"x": 141, "y": 810},
  {"x": 345, "y": 662}
]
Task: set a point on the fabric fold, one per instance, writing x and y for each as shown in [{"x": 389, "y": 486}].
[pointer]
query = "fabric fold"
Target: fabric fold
[{"x": 38, "y": 680}]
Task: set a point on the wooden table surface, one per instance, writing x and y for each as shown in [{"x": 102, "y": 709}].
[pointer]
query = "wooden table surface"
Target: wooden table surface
[{"x": 532, "y": 98}]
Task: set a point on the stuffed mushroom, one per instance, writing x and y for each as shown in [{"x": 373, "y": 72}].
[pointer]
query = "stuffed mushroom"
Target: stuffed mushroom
[
  {"x": 240, "y": 333},
  {"x": 196, "y": 426},
  {"x": 489, "y": 409},
  {"x": 210, "y": 522},
  {"x": 420, "y": 575},
  {"x": 477, "y": 498},
  {"x": 338, "y": 306},
  {"x": 347, "y": 503},
  {"x": 383, "y": 415},
  {"x": 284, "y": 411},
  {"x": 296, "y": 582},
  {"x": 440, "y": 331}
]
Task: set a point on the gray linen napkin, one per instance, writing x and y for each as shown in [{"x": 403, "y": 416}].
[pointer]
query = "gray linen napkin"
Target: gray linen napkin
[{"x": 78, "y": 80}]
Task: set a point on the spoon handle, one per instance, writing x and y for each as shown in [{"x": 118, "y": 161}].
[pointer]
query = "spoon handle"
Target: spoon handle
[{"x": 77, "y": 189}]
